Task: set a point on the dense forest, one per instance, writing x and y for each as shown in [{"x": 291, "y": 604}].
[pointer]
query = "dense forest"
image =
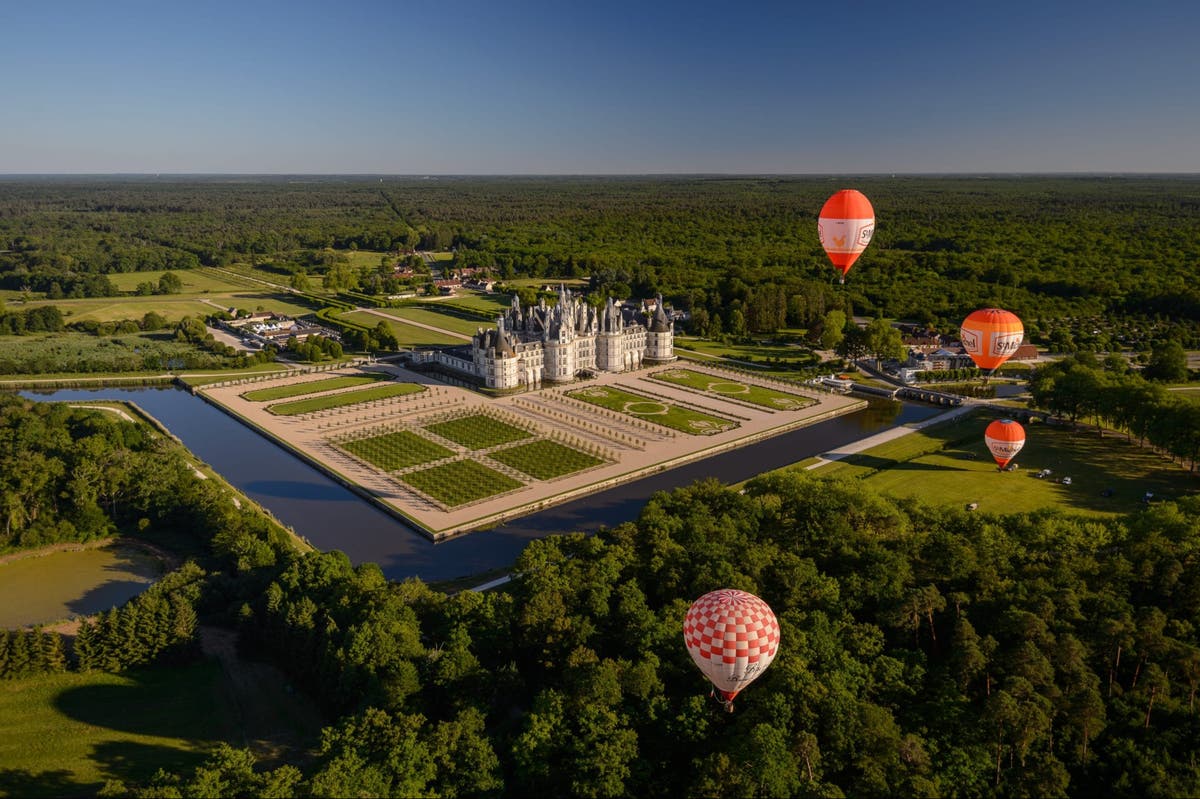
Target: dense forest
[
  {"x": 924, "y": 651},
  {"x": 1088, "y": 262}
]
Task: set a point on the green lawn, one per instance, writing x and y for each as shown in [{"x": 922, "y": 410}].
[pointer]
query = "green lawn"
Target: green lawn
[
  {"x": 344, "y": 399},
  {"x": 195, "y": 281},
  {"x": 407, "y": 335},
  {"x": 746, "y": 392},
  {"x": 545, "y": 459},
  {"x": 65, "y": 734},
  {"x": 397, "y": 450},
  {"x": 762, "y": 354},
  {"x": 950, "y": 464},
  {"x": 478, "y": 431},
  {"x": 173, "y": 306},
  {"x": 311, "y": 387},
  {"x": 485, "y": 303},
  {"x": 429, "y": 315},
  {"x": 460, "y": 482},
  {"x": 654, "y": 410}
]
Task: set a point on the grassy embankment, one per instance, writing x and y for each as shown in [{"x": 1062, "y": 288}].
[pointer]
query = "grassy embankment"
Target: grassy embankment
[{"x": 950, "y": 464}]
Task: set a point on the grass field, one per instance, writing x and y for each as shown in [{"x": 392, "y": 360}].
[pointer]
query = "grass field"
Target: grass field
[
  {"x": 724, "y": 387},
  {"x": 407, "y": 335},
  {"x": 763, "y": 354},
  {"x": 479, "y": 303},
  {"x": 343, "y": 399},
  {"x": 397, "y": 450},
  {"x": 195, "y": 281},
  {"x": 65, "y": 734},
  {"x": 544, "y": 459},
  {"x": 445, "y": 321},
  {"x": 460, "y": 482},
  {"x": 311, "y": 387},
  {"x": 173, "y": 306},
  {"x": 662, "y": 413},
  {"x": 478, "y": 431},
  {"x": 950, "y": 464}
]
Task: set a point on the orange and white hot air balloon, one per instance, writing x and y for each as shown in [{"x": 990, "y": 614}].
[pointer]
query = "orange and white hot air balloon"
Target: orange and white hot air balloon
[
  {"x": 733, "y": 636},
  {"x": 1004, "y": 438},
  {"x": 991, "y": 336},
  {"x": 845, "y": 227}
]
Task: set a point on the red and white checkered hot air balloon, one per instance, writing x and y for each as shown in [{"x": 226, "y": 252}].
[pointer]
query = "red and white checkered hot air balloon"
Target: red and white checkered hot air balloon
[
  {"x": 845, "y": 227},
  {"x": 733, "y": 636}
]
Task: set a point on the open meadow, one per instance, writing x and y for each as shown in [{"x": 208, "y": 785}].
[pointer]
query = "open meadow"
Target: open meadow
[{"x": 949, "y": 464}]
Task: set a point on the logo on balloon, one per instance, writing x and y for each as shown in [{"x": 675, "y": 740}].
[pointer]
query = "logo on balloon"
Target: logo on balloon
[
  {"x": 970, "y": 340},
  {"x": 1004, "y": 344},
  {"x": 864, "y": 236}
]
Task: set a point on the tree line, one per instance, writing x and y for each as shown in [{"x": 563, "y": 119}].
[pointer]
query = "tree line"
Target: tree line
[{"x": 924, "y": 651}]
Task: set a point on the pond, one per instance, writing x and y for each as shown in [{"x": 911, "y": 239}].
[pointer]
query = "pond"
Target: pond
[
  {"x": 332, "y": 517},
  {"x": 41, "y": 588}
]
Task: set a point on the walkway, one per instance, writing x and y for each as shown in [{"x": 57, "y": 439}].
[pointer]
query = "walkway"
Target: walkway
[
  {"x": 403, "y": 321},
  {"x": 888, "y": 435}
]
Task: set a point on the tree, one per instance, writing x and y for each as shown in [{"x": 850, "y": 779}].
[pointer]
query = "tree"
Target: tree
[
  {"x": 833, "y": 329},
  {"x": 169, "y": 283},
  {"x": 883, "y": 340},
  {"x": 1168, "y": 362},
  {"x": 299, "y": 281}
]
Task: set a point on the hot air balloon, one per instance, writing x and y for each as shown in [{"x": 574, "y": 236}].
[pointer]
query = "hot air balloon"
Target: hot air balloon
[
  {"x": 733, "y": 636},
  {"x": 991, "y": 336},
  {"x": 845, "y": 227},
  {"x": 1004, "y": 438}
]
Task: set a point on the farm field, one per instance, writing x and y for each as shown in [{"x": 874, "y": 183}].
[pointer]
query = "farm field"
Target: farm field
[
  {"x": 65, "y": 734},
  {"x": 727, "y": 387},
  {"x": 407, "y": 335},
  {"x": 311, "y": 387},
  {"x": 398, "y": 450},
  {"x": 545, "y": 460},
  {"x": 478, "y": 431},
  {"x": 662, "y": 413},
  {"x": 950, "y": 464},
  {"x": 459, "y": 482},
  {"x": 344, "y": 399}
]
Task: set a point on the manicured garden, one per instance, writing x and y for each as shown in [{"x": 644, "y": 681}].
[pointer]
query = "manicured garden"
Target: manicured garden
[
  {"x": 724, "y": 387},
  {"x": 344, "y": 399},
  {"x": 478, "y": 431},
  {"x": 544, "y": 459},
  {"x": 397, "y": 450},
  {"x": 675, "y": 417},
  {"x": 459, "y": 482},
  {"x": 311, "y": 387}
]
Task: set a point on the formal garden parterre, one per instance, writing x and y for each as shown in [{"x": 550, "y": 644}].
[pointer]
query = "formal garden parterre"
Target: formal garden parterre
[
  {"x": 654, "y": 410},
  {"x": 344, "y": 399},
  {"x": 313, "y": 387},
  {"x": 734, "y": 389}
]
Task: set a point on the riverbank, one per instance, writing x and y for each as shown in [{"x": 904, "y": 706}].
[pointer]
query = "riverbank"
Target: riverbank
[{"x": 633, "y": 445}]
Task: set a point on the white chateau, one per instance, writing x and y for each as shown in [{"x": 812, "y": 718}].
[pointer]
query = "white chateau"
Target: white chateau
[{"x": 554, "y": 343}]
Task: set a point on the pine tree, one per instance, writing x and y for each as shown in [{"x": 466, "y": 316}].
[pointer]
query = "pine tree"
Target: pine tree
[
  {"x": 4, "y": 647},
  {"x": 54, "y": 653},
  {"x": 85, "y": 647}
]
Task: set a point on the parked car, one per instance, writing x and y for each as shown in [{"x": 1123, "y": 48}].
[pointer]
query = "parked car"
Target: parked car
[{"x": 1066, "y": 481}]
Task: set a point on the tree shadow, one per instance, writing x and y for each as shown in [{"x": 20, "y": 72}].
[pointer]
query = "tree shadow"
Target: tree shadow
[
  {"x": 139, "y": 571},
  {"x": 23, "y": 782},
  {"x": 130, "y": 761},
  {"x": 295, "y": 489},
  {"x": 876, "y": 463}
]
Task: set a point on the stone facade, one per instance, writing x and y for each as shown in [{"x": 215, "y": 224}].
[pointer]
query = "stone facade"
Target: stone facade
[{"x": 554, "y": 343}]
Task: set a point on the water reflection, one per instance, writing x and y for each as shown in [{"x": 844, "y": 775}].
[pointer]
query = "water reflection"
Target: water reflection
[{"x": 332, "y": 517}]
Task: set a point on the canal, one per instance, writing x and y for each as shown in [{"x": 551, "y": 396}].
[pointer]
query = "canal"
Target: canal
[{"x": 331, "y": 517}]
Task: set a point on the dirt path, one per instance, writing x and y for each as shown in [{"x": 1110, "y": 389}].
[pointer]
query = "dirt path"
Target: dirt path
[{"x": 403, "y": 321}]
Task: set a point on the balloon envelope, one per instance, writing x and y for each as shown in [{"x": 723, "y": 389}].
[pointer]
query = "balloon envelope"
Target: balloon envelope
[
  {"x": 1004, "y": 438},
  {"x": 991, "y": 336},
  {"x": 845, "y": 227},
  {"x": 733, "y": 636}
]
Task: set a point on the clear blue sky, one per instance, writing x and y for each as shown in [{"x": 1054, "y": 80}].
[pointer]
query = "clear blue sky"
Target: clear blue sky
[{"x": 510, "y": 86}]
